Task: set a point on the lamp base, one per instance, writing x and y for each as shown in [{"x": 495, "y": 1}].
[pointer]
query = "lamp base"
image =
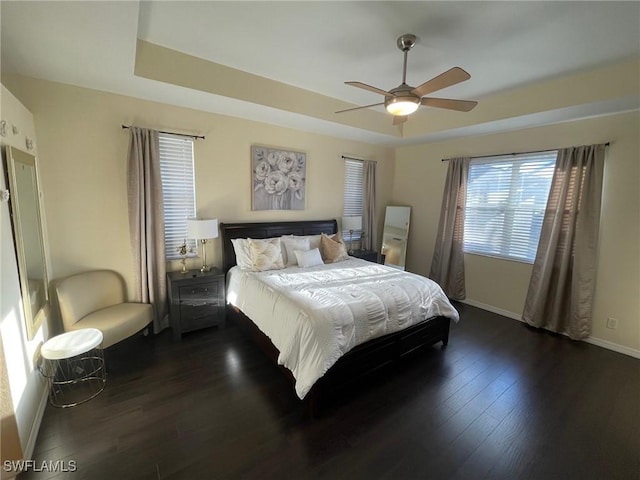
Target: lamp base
[
  {"x": 205, "y": 267},
  {"x": 184, "y": 270},
  {"x": 350, "y": 250}
]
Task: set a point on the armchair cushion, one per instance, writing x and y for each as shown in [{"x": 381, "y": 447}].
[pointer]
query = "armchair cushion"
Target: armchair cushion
[
  {"x": 118, "y": 321},
  {"x": 96, "y": 299},
  {"x": 83, "y": 293}
]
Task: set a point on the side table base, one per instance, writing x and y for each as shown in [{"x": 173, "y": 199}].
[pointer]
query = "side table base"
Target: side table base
[{"x": 75, "y": 380}]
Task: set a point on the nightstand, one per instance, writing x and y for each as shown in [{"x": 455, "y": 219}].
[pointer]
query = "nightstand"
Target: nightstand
[
  {"x": 196, "y": 300},
  {"x": 368, "y": 255}
]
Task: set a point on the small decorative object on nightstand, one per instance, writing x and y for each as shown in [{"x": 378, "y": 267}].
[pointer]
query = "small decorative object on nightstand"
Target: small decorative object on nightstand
[
  {"x": 197, "y": 300},
  {"x": 183, "y": 250},
  {"x": 369, "y": 255}
]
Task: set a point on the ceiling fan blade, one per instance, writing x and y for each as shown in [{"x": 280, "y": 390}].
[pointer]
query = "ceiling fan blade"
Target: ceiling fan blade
[
  {"x": 444, "y": 80},
  {"x": 459, "y": 105},
  {"x": 358, "y": 108},
  {"x": 399, "y": 119},
  {"x": 364, "y": 86}
]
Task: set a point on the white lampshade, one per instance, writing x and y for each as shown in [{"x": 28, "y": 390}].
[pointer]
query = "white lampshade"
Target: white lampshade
[
  {"x": 402, "y": 107},
  {"x": 202, "y": 229},
  {"x": 352, "y": 223}
]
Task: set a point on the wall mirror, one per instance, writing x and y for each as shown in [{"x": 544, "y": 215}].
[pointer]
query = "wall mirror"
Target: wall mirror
[
  {"x": 26, "y": 220},
  {"x": 395, "y": 235}
]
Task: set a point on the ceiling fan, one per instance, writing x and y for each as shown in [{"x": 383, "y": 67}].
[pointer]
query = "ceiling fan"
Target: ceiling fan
[{"x": 405, "y": 99}]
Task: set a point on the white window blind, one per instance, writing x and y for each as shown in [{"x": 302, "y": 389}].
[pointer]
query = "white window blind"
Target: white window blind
[
  {"x": 353, "y": 203},
  {"x": 178, "y": 191},
  {"x": 506, "y": 201}
]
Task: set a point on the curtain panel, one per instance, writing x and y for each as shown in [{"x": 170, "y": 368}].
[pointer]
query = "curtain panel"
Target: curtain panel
[
  {"x": 562, "y": 287},
  {"x": 369, "y": 217},
  {"x": 146, "y": 222},
  {"x": 447, "y": 265}
]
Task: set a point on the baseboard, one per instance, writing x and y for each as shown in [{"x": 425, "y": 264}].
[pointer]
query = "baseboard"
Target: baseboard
[
  {"x": 632, "y": 352},
  {"x": 492, "y": 309},
  {"x": 35, "y": 428}
]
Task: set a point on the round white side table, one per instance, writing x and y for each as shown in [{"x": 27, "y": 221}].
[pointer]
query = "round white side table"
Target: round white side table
[{"x": 74, "y": 367}]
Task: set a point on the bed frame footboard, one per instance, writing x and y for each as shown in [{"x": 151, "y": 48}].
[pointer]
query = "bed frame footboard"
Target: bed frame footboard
[{"x": 362, "y": 360}]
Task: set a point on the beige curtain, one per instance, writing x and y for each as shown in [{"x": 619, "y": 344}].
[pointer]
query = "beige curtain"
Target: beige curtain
[
  {"x": 447, "y": 265},
  {"x": 146, "y": 222},
  {"x": 560, "y": 296},
  {"x": 369, "y": 218}
]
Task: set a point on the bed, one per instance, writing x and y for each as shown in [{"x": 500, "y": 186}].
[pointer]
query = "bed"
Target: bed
[{"x": 310, "y": 330}]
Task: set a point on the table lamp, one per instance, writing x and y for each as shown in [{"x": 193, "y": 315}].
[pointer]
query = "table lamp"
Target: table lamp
[
  {"x": 201, "y": 229},
  {"x": 351, "y": 223}
]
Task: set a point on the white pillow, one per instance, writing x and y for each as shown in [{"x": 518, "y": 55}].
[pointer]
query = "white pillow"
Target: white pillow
[
  {"x": 314, "y": 240},
  {"x": 243, "y": 254},
  {"x": 293, "y": 244},
  {"x": 308, "y": 258},
  {"x": 285, "y": 257},
  {"x": 265, "y": 254}
]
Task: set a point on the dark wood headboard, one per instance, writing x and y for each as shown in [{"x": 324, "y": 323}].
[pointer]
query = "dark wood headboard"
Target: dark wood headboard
[{"x": 269, "y": 230}]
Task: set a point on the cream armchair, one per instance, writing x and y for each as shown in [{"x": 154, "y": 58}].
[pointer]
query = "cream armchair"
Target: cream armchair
[{"x": 97, "y": 299}]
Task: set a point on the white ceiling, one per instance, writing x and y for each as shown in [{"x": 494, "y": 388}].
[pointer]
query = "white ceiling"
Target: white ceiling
[{"x": 317, "y": 46}]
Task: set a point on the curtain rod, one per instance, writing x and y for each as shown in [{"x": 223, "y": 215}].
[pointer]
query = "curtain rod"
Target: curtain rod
[
  {"x": 519, "y": 153},
  {"x": 174, "y": 133},
  {"x": 347, "y": 157}
]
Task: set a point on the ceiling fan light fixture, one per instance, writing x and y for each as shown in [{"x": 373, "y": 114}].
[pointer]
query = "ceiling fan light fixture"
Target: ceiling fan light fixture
[
  {"x": 403, "y": 100},
  {"x": 402, "y": 105}
]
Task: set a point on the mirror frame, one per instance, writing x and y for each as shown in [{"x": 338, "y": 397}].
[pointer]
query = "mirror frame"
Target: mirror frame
[
  {"x": 387, "y": 233},
  {"x": 14, "y": 157}
]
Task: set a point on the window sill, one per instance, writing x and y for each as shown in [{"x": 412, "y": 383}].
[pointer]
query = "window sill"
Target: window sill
[{"x": 499, "y": 257}]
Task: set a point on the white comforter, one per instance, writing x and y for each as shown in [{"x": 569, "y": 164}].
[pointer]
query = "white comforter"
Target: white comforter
[{"x": 315, "y": 315}]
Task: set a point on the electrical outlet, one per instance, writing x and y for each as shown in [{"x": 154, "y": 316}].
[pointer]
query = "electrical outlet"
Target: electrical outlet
[{"x": 612, "y": 323}]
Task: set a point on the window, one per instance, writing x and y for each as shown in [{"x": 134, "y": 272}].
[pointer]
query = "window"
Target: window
[
  {"x": 506, "y": 201},
  {"x": 353, "y": 204},
  {"x": 178, "y": 191}
]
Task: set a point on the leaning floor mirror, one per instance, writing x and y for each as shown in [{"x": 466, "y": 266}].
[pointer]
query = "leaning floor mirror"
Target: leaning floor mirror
[
  {"x": 395, "y": 235},
  {"x": 26, "y": 220}
]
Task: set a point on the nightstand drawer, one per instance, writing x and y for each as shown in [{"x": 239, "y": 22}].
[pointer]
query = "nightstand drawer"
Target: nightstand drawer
[
  {"x": 193, "y": 311},
  {"x": 197, "y": 317},
  {"x": 202, "y": 300},
  {"x": 199, "y": 292}
]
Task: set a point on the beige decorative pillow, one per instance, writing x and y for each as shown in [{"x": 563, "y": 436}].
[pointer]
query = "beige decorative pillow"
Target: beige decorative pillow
[
  {"x": 265, "y": 254},
  {"x": 333, "y": 249}
]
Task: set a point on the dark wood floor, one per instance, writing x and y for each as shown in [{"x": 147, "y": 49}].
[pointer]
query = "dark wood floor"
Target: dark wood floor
[{"x": 502, "y": 401}]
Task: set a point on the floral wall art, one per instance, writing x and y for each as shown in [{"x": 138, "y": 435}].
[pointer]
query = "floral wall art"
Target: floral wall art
[{"x": 279, "y": 178}]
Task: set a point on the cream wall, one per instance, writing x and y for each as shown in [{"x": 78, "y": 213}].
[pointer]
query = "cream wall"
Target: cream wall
[
  {"x": 83, "y": 169},
  {"x": 502, "y": 285}
]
